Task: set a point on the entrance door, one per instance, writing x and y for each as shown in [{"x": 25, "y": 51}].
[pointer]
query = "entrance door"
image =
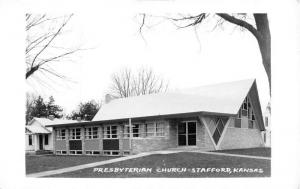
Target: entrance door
[
  {"x": 41, "y": 142},
  {"x": 187, "y": 133}
]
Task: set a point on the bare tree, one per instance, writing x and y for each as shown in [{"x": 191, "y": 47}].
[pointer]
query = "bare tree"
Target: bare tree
[
  {"x": 145, "y": 81},
  {"x": 259, "y": 29},
  {"x": 41, "y": 50}
]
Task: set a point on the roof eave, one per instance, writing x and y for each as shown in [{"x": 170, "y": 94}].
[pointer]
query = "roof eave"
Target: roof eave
[{"x": 166, "y": 116}]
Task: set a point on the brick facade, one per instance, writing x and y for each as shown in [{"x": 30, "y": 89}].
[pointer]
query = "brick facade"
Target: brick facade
[{"x": 231, "y": 137}]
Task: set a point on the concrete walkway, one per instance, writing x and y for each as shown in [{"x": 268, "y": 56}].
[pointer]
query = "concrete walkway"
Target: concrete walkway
[
  {"x": 90, "y": 165},
  {"x": 95, "y": 164}
]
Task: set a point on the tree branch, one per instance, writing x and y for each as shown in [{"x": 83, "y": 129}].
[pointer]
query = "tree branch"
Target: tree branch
[{"x": 241, "y": 23}]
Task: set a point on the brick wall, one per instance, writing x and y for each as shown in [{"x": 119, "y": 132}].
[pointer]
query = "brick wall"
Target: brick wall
[
  {"x": 92, "y": 144},
  {"x": 156, "y": 143},
  {"x": 60, "y": 145},
  {"x": 241, "y": 138}
]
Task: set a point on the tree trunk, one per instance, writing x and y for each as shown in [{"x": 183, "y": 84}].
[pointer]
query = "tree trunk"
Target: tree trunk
[{"x": 264, "y": 42}]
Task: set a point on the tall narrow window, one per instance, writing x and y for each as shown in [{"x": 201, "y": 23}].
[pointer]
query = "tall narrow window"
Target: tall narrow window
[
  {"x": 160, "y": 131},
  {"x": 136, "y": 130},
  {"x": 150, "y": 129},
  {"x": 266, "y": 121},
  {"x": 219, "y": 130},
  {"x": 46, "y": 140},
  {"x": 126, "y": 131},
  {"x": 30, "y": 140}
]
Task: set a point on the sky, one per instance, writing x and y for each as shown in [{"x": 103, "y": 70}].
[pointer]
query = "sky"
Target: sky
[{"x": 185, "y": 58}]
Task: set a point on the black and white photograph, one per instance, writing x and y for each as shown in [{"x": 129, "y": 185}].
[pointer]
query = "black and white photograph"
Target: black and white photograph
[{"x": 144, "y": 93}]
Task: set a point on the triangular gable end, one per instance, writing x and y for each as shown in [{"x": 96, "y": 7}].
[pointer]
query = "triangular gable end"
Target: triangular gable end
[
  {"x": 41, "y": 124},
  {"x": 255, "y": 104}
]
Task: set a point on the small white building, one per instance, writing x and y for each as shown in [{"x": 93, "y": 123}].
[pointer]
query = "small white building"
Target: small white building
[
  {"x": 267, "y": 122},
  {"x": 38, "y": 137}
]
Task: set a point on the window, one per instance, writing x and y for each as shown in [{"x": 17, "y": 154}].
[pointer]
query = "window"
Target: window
[
  {"x": 74, "y": 152},
  {"x": 160, "y": 129},
  {"x": 155, "y": 129},
  {"x": 92, "y": 152},
  {"x": 219, "y": 130},
  {"x": 46, "y": 139},
  {"x": 150, "y": 129},
  {"x": 136, "y": 130},
  {"x": 111, "y": 153},
  {"x": 266, "y": 121},
  {"x": 75, "y": 134},
  {"x": 91, "y": 133},
  {"x": 126, "y": 131},
  {"x": 30, "y": 140},
  {"x": 61, "y": 134},
  {"x": 251, "y": 120},
  {"x": 60, "y": 152},
  {"x": 245, "y": 104},
  {"x": 240, "y": 114},
  {"x": 110, "y": 131}
]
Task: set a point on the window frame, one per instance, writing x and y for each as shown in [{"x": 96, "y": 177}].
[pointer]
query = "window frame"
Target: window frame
[
  {"x": 155, "y": 129},
  {"x": 90, "y": 133},
  {"x": 108, "y": 133},
  {"x": 126, "y": 130},
  {"x": 74, "y": 135},
  {"x": 59, "y": 135}
]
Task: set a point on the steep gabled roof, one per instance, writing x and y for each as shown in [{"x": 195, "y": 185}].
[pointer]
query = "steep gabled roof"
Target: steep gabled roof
[
  {"x": 223, "y": 98},
  {"x": 44, "y": 122}
]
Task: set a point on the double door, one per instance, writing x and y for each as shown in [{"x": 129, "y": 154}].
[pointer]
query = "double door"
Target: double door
[{"x": 187, "y": 133}]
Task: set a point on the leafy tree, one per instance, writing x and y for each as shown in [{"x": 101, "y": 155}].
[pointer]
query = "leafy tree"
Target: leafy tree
[
  {"x": 37, "y": 107},
  {"x": 86, "y": 111},
  {"x": 53, "y": 109}
]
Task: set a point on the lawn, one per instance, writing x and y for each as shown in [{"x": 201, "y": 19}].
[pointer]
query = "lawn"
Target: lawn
[
  {"x": 264, "y": 152},
  {"x": 188, "y": 164},
  {"x": 50, "y": 162}
]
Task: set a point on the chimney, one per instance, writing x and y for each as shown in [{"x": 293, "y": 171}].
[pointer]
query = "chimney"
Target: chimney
[
  {"x": 108, "y": 98},
  {"x": 51, "y": 117},
  {"x": 78, "y": 118}
]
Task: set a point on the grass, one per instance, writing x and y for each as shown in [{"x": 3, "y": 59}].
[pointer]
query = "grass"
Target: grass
[
  {"x": 264, "y": 152},
  {"x": 51, "y": 162},
  {"x": 188, "y": 161}
]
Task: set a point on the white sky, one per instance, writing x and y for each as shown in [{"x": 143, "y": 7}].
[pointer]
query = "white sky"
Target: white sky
[{"x": 176, "y": 55}]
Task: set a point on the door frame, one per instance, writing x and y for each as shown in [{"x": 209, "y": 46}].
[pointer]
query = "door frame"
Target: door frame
[{"x": 186, "y": 133}]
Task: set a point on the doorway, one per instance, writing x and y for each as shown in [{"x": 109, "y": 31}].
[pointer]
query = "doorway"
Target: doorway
[
  {"x": 41, "y": 142},
  {"x": 187, "y": 133}
]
